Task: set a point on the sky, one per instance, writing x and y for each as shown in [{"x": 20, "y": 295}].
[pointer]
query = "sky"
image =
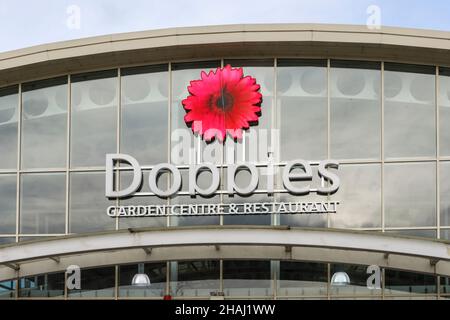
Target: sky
[{"x": 25, "y": 23}]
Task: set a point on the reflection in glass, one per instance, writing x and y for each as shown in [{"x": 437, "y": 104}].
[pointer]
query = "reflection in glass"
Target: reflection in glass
[
  {"x": 445, "y": 285},
  {"x": 95, "y": 283},
  {"x": 415, "y": 233},
  {"x": 444, "y": 176},
  {"x": 8, "y": 127},
  {"x": 247, "y": 278},
  {"x": 44, "y": 124},
  {"x": 137, "y": 222},
  {"x": 182, "y": 74},
  {"x": 444, "y": 111},
  {"x": 302, "y": 279},
  {"x": 8, "y": 194},
  {"x": 355, "y": 110},
  {"x": 141, "y": 222},
  {"x": 144, "y": 114},
  {"x": 406, "y": 283},
  {"x": 34, "y": 238},
  {"x": 42, "y": 286},
  {"x": 359, "y": 197},
  {"x": 195, "y": 278},
  {"x": 358, "y": 281},
  {"x": 88, "y": 204},
  {"x": 196, "y": 220},
  {"x": 410, "y": 117},
  {"x": 94, "y": 117},
  {"x": 302, "y": 99},
  {"x": 7, "y": 289},
  {"x": 156, "y": 273},
  {"x": 242, "y": 180},
  {"x": 258, "y": 141},
  {"x": 304, "y": 220},
  {"x": 42, "y": 203},
  {"x": 203, "y": 181},
  {"x": 410, "y": 195},
  {"x": 7, "y": 240},
  {"x": 445, "y": 234}
]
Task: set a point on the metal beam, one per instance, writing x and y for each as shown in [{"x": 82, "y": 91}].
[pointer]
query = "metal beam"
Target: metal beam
[
  {"x": 434, "y": 262},
  {"x": 56, "y": 259},
  {"x": 12, "y": 266}
]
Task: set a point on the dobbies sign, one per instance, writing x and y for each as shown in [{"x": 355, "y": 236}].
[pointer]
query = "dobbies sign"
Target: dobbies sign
[
  {"x": 220, "y": 105},
  {"x": 289, "y": 176}
]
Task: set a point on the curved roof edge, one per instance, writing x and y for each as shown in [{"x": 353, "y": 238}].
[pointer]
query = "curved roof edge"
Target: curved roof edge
[
  {"x": 414, "y": 254},
  {"x": 259, "y": 40}
]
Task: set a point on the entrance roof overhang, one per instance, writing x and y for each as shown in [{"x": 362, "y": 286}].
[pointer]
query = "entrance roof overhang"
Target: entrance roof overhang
[{"x": 225, "y": 242}]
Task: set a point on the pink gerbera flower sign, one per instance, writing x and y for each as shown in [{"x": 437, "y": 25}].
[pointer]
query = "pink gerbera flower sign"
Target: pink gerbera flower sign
[{"x": 222, "y": 102}]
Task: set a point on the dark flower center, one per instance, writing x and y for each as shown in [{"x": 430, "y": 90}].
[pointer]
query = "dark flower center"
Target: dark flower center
[{"x": 224, "y": 101}]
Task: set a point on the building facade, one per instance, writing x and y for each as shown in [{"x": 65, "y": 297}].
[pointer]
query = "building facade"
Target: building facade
[{"x": 376, "y": 103}]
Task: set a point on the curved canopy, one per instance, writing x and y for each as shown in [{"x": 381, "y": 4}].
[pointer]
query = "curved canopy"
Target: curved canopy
[{"x": 225, "y": 242}]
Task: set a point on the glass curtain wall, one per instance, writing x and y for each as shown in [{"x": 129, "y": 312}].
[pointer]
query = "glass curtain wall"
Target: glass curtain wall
[
  {"x": 386, "y": 123},
  {"x": 232, "y": 279}
]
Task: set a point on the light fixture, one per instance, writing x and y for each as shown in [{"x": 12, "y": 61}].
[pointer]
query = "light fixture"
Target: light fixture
[
  {"x": 140, "y": 279},
  {"x": 340, "y": 279}
]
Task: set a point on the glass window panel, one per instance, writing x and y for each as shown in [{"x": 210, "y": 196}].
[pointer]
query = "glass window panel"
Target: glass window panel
[
  {"x": 4, "y": 241},
  {"x": 406, "y": 283},
  {"x": 303, "y": 220},
  {"x": 125, "y": 180},
  {"x": 247, "y": 278},
  {"x": 8, "y": 192},
  {"x": 44, "y": 124},
  {"x": 303, "y": 279},
  {"x": 145, "y": 113},
  {"x": 258, "y": 140},
  {"x": 410, "y": 195},
  {"x": 43, "y": 203},
  {"x": 359, "y": 197},
  {"x": 203, "y": 181},
  {"x": 445, "y": 234},
  {"x": 303, "y": 108},
  {"x": 196, "y": 220},
  {"x": 9, "y": 100},
  {"x": 7, "y": 289},
  {"x": 195, "y": 278},
  {"x": 355, "y": 110},
  {"x": 411, "y": 297},
  {"x": 42, "y": 286},
  {"x": 444, "y": 112},
  {"x": 95, "y": 283},
  {"x": 445, "y": 285},
  {"x": 156, "y": 273},
  {"x": 410, "y": 123},
  {"x": 94, "y": 117},
  {"x": 182, "y": 74},
  {"x": 358, "y": 281},
  {"x": 35, "y": 238},
  {"x": 242, "y": 180},
  {"x": 88, "y": 204},
  {"x": 142, "y": 222},
  {"x": 444, "y": 176},
  {"x": 415, "y": 233}
]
